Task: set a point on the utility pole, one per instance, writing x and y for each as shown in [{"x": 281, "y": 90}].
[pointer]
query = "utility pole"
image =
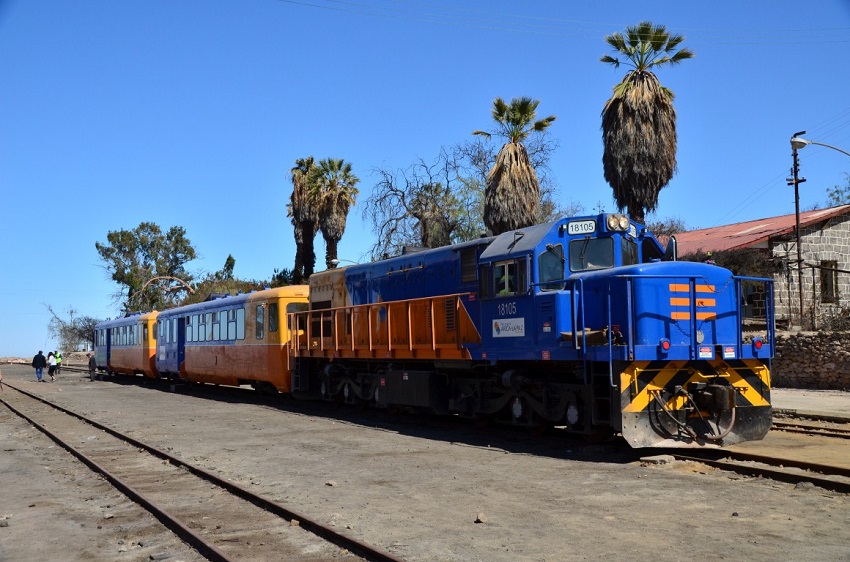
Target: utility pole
[{"x": 796, "y": 181}]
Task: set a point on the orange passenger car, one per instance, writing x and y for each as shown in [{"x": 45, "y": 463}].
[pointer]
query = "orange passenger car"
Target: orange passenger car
[
  {"x": 131, "y": 345},
  {"x": 236, "y": 340}
]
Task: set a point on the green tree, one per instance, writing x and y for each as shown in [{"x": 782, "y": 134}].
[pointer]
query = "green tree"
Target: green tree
[
  {"x": 149, "y": 266},
  {"x": 222, "y": 282},
  {"x": 639, "y": 121},
  {"x": 839, "y": 194},
  {"x": 282, "y": 278},
  {"x": 512, "y": 196},
  {"x": 332, "y": 191},
  {"x": 210, "y": 286},
  {"x": 305, "y": 219},
  {"x": 226, "y": 272}
]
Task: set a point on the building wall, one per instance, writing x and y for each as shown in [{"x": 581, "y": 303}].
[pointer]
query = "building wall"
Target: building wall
[
  {"x": 818, "y": 360},
  {"x": 829, "y": 240}
]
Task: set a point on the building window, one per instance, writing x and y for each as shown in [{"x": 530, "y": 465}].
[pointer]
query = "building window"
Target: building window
[{"x": 828, "y": 281}]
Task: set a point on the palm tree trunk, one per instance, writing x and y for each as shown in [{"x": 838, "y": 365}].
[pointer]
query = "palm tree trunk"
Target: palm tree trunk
[
  {"x": 298, "y": 268},
  {"x": 330, "y": 251},
  {"x": 308, "y": 251}
]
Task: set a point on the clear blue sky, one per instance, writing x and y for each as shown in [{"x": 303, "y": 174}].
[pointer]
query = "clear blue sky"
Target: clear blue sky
[{"x": 192, "y": 112}]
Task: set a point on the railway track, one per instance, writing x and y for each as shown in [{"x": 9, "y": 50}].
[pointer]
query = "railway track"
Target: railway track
[
  {"x": 808, "y": 429},
  {"x": 781, "y": 469},
  {"x": 221, "y": 520},
  {"x": 829, "y": 477}
]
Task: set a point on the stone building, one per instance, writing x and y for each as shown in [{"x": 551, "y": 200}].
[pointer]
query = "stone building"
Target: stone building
[{"x": 825, "y": 249}]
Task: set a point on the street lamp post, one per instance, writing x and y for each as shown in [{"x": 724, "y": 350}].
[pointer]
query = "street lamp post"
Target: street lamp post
[{"x": 797, "y": 142}]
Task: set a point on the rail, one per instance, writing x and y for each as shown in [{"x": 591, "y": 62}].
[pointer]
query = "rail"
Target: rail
[{"x": 174, "y": 523}]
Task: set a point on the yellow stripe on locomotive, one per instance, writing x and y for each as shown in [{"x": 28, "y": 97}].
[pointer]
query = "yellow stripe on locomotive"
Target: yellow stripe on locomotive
[{"x": 676, "y": 402}]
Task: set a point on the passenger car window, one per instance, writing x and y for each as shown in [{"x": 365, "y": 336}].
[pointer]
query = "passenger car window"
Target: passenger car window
[
  {"x": 273, "y": 317},
  {"x": 260, "y": 322}
]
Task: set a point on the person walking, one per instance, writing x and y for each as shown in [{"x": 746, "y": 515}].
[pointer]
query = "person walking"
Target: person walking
[
  {"x": 1, "y": 382},
  {"x": 58, "y": 362},
  {"x": 92, "y": 366},
  {"x": 51, "y": 366},
  {"x": 39, "y": 363}
]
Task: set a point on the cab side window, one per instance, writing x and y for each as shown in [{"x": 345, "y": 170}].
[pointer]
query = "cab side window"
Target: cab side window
[
  {"x": 509, "y": 277},
  {"x": 551, "y": 267},
  {"x": 505, "y": 278}
]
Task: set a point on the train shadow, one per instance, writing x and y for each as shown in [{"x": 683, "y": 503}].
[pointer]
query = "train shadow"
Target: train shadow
[{"x": 553, "y": 443}]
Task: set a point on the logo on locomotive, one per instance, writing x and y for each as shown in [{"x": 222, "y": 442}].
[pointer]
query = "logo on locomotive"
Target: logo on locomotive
[{"x": 509, "y": 328}]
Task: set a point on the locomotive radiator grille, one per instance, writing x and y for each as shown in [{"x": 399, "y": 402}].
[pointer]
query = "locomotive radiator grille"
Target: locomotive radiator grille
[{"x": 642, "y": 380}]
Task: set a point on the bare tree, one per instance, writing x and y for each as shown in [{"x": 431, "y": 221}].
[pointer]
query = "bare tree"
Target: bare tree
[
  {"x": 425, "y": 205},
  {"x": 430, "y": 204},
  {"x": 75, "y": 332}
]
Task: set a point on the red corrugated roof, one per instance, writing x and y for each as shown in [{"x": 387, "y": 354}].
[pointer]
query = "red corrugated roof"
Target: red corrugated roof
[{"x": 750, "y": 234}]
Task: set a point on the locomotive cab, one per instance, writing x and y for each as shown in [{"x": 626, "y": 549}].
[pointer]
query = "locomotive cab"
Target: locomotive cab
[{"x": 530, "y": 279}]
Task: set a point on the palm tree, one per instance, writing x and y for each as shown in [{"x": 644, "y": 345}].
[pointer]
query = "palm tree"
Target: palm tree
[
  {"x": 639, "y": 122},
  {"x": 512, "y": 196},
  {"x": 305, "y": 220},
  {"x": 332, "y": 192}
]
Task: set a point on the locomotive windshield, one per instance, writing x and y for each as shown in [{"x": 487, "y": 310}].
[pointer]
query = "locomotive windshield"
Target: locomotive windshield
[{"x": 591, "y": 253}]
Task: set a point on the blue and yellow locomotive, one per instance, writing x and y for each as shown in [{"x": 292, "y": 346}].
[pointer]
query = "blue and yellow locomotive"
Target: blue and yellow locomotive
[{"x": 584, "y": 322}]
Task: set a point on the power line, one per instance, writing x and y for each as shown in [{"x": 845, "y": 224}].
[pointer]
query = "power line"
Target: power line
[{"x": 523, "y": 23}]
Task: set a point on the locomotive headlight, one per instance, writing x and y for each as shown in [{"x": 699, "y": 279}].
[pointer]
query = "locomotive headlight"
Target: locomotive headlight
[{"x": 617, "y": 222}]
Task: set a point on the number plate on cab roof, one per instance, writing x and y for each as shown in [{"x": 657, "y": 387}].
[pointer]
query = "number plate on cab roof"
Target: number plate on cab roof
[{"x": 581, "y": 227}]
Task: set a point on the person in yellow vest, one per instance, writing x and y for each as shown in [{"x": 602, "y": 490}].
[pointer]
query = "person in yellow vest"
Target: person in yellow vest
[{"x": 58, "y": 361}]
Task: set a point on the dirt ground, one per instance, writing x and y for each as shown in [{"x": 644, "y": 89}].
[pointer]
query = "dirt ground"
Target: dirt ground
[{"x": 415, "y": 488}]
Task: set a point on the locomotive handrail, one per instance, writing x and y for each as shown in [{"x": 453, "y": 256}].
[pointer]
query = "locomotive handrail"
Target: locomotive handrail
[
  {"x": 380, "y": 336},
  {"x": 769, "y": 309},
  {"x": 577, "y": 318}
]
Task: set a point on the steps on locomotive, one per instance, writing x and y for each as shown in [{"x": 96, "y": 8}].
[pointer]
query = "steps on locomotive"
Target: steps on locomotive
[{"x": 602, "y": 392}]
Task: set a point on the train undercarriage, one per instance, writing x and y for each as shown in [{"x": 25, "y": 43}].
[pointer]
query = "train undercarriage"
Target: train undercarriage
[
  {"x": 484, "y": 393},
  {"x": 706, "y": 410}
]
